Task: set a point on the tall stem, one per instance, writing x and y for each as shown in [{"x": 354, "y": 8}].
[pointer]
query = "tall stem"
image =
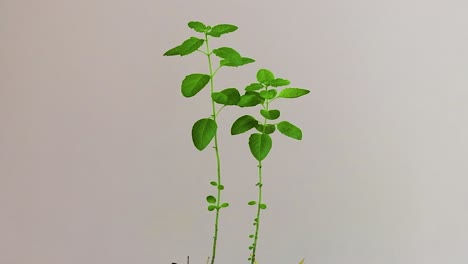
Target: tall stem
[
  {"x": 257, "y": 219},
  {"x": 218, "y": 161}
]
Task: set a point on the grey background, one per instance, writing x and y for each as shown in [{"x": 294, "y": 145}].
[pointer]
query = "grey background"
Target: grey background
[{"x": 97, "y": 166}]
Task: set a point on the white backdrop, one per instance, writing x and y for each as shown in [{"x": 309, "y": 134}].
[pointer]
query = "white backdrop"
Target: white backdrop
[{"x": 97, "y": 164}]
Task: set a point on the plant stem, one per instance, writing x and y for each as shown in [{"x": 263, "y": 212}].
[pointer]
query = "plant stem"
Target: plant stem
[
  {"x": 218, "y": 160},
  {"x": 259, "y": 202}
]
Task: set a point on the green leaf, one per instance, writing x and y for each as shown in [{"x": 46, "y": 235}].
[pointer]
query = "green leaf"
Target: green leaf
[
  {"x": 233, "y": 62},
  {"x": 265, "y": 76},
  {"x": 211, "y": 207},
  {"x": 221, "y": 187},
  {"x": 279, "y": 82},
  {"x": 268, "y": 129},
  {"x": 197, "y": 26},
  {"x": 229, "y": 96},
  {"x": 289, "y": 130},
  {"x": 172, "y": 52},
  {"x": 252, "y": 203},
  {"x": 260, "y": 145},
  {"x": 254, "y": 87},
  {"x": 193, "y": 83},
  {"x": 224, "y": 205},
  {"x": 226, "y": 52},
  {"x": 270, "y": 114},
  {"x": 248, "y": 100},
  {"x": 243, "y": 124},
  {"x": 268, "y": 94},
  {"x": 203, "y": 132},
  {"x": 263, "y": 206},
  {"x": 222, "y": 29},
  {"x": 214, "y": 183},
  {"x": 211, "y": 199},
  {"x": 190, "y": 45},
  {"x": 293, "y": 92}
]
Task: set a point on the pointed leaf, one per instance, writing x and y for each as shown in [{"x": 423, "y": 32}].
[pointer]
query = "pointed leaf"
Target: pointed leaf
[
  {"x": 226, "y": 52},
  {"x": 268, "y": 94},
  {"x": 265, "y": 76},
  {"x": 190, "y": 45},
  {"x": 193, "y": 83},
  {"x": 211, "y": 199},
  {"x": 221, "y": 29},
  {"x": 243, "y": 124},
  {"x": 279, "y": 82},
  {"x": 254, "y": 87},
  {"x": 293, "y": 92},
  {"x": 302, "y": 261},
  {"x": 267, "y": 129},
  {"x": 248, "y": 100},
  {"x": 260, "y": 145},
  {"x": 289, "y": 130},
  {"x": 270, "y": 114},
  {"x": 229, "y": 96},
  {"x": 197, "y": 26},
  {"x": 203, "y": 132},
  {"x": 172, "y": 52},
  {"x": 229, "y": 62}
]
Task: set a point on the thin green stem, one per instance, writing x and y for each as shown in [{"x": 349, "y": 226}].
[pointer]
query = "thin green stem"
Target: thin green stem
[
  {"x": 257, "y": 220},
  {"x": 218, "y": 160}
]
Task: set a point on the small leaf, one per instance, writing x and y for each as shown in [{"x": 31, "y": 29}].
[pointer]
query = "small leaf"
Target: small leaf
[
  {"x": 229, "y": 96},
  {"x": 293, "y": 92},
  {"x": 214, "y": 183},
  {"x": 243, "y": 124},
  {"x": 248, "y": 100},
  {"x": 265, "y": 76},
  {"x": 211, "y": 207},
  {"x": 251, "y": 236},
  {"x": 190, "y": 45},
  {"x": 221, "y": 29},
  {"x": 203, "y": 132},
  {"x": 268, "y": 129},
  {"x": 270, "y": 114},
  {"x": 254, "y": 87},
  {"x": 211, "y": 199},
  {"x": 252, "y": 203},
  {"x": 289, "y": 130},
  {"x": 268, "y": 94},
  {"x": 302, "y": 261},
  {"x": 224, "y": 205},
  {"x": 260, "y": 145},
  {"x": 229, "y": 62},
  {"x": 221, "y": 187},
  {"x": 226, "y": 52},
  {"x": 263, "y": 206},
  {"x": 197, "y": 26},
  {"x": 193, "y": 83},
  {"x": 250, "y": 247},
  {"x": 172, "y": 52},
  {"x": 279, "y": 82}
]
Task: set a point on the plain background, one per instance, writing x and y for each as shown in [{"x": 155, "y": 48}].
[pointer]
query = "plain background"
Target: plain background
[{"x": 97, "y": 164}]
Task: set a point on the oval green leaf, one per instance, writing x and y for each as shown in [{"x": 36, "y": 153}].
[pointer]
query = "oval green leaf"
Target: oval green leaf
[
  {"x": 270, "y": 114},
  {"x": 268, "y": 94},
  {"x": 211, "y": 207},
  {"x": 203, "y": 132},
  {"x": 211, "y": 199},
  {"x": 236, "y": 62},
  {"x": 214, "y": 183},
  {"x": 260, "y": 145},
  {"x": 226, "y": 52},
  {"x": 254, "y": 87},
  {"x": 221, "y": 187},
  {"x": 249, "y": 100},
  {"x": 221, "y": 29},
  {"x": 224, "y": 205},
  {"x": 243, "y": 124},
  {"x": 193, "y": 83},
  {"x": 289, "y": 130},
  {"x": 263, "y": 206},
  {"x": 265, "y": 76},
  {"x": 229, "y": 96},
  {"x": 293, "y": 92},
  {"x": 197, "y": 26},
  {"x": 190, "y": 45},
  {"x": 279, "y": 82},
  {"x": 252, "y": 203}
]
